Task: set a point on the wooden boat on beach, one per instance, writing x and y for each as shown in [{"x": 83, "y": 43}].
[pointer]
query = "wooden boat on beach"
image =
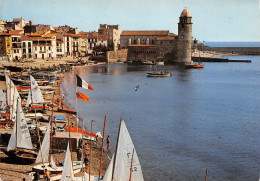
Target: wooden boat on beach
[{"x": 20, "y": 144}]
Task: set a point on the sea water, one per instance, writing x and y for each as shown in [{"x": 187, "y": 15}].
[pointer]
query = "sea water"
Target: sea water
[{"x": 183, "y": 124}]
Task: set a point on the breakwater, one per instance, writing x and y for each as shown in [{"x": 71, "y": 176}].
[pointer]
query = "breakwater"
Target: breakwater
[
  {"x": 237, "y": 50},
  {"x": 210, "y": 59}
]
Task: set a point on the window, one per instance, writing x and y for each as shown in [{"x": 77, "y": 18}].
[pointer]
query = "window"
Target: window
[
  {"x": 24, "y": 44},
  {"x": 49, "y": 48},
  {"x": 40, "y": 48},
  {"x": 30, "y": 51},
  {"x": 17, "y": 51},
  {"x": 14, "y": 51},
  {"x": 29, "y": 44},
  {"x": 35, "y": 48}
]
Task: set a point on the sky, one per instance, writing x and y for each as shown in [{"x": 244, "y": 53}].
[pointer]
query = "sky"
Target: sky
[{"x": 213, "y": 20}]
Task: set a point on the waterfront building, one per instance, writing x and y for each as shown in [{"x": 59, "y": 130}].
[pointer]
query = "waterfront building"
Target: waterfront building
[
  {"x": 27, "y": 47},
  {"x": 16, "y": 44},
  {"x": 113, "y": 34},
  {"x": 6, "y": 46},
  {"x": 96, "y": 41},
  {"x": 2, "y": 26},
  {"x": 160, "y": 45},
  {"x": 73, "y": 44},
  {"x": 16, "y": 24}
]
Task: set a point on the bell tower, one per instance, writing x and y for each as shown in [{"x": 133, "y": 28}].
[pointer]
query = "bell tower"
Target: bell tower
[{"x": 184, "y": 37}]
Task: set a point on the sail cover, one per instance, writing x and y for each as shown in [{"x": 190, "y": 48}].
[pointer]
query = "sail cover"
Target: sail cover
[
  {"x": 67, "y": 173},
  {"x": 123, "y": 158},
  {"x": 20, "y": 128},
  {"x": 35, "y": 92}
]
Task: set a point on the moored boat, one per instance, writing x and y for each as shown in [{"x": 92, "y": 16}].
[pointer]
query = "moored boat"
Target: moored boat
[
  {"x": 192, "y": 65},
  {"x": 159, "y": 74}
]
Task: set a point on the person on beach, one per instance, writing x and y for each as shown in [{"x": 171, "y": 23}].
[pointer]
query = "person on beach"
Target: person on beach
[
  {"x": 108, "y": 143},
  {"x": 79, "y": 154}
]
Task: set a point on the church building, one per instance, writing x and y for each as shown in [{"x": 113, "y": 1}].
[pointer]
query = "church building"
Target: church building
[{"x": 160, "y": 45}]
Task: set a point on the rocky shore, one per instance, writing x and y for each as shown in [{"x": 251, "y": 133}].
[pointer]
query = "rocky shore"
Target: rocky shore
[{"x": 11, "y": 170}]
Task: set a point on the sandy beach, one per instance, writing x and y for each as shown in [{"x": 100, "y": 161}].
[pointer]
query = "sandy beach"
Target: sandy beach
[{"x": 17, "y": 171}]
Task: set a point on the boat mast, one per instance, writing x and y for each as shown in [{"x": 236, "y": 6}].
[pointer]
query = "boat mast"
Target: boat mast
[
  {"x": 131, "y": 169},
  {"x": 101, "y": 157},
  {"x": 116, "y": 149},
  {"x": 50, "y": 150}
]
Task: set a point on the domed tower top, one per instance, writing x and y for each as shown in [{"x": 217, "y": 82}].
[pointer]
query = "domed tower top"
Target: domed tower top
[{"x": 185, "y": 13}]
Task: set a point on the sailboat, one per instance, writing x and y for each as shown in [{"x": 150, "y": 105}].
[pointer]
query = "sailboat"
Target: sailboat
[
  {"x": 45, "y": 161},
  {"x": 121, "y": 162},
  {"x": 20, "y": 143},
  {"x": 68, "y": 173}
]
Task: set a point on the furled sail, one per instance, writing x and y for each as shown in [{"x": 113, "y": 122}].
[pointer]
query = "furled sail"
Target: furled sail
[
  {"x": 20, "y": 136},
  {"x": 123, "y": 159},
  {"x": 36, "y": 92},
  {"x": 2, "y": 100},
  {"x": 67, "y": 173}
]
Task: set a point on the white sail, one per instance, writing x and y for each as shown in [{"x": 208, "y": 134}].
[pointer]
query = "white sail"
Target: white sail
[
  {"x": 43, "y": 154},
  {"x": 36, "y": 92},
  {"x": 9, "y": 89},
  {"x": 12, "y": 141},
  {"x": 12, "y": 96},
  {"x": 2, "y": 100},
  {"x": 29, "y": 99},
  {"x": 20, "y": 136},
  {"x": 123, "y": 158},
  {"x": 67, "y": 173},
  {"x": 108, "y": 174}
]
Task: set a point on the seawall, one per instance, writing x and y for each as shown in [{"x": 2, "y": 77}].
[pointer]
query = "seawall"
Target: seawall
[{"x": 238, "y": 50}]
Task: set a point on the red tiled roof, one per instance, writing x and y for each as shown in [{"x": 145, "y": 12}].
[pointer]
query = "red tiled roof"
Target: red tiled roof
[
  {"x": 16, "y": 32},
  {"x": 74, "y": 35},
  {"x": 5, "y": 33},
  {"x": 145, "y": 33},
  {"x": 23, "y": 37},
  {"x": 40, "y": 33},
  {"x": 50, "y": 35},
  {"x": 98, "y": 37}
]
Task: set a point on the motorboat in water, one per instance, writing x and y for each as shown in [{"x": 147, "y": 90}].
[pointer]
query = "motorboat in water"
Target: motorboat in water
[{"x": 193, "y": 65}]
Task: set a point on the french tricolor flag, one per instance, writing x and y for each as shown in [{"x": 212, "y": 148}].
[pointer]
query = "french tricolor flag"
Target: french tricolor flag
[{"x": 82, "y": 83}]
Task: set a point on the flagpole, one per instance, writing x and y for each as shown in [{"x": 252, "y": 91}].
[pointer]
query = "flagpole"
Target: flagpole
[
  {"x": 77, "y": 106},
  {"x": 90, "y": 149},
  {"x": 104, "y": 131}
]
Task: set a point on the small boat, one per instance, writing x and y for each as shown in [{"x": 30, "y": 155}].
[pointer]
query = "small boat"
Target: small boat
[
  {"x": 148, "y": 63},
  {"x": 159, "y": 74},
  {"x": 67, "y": 111},
  {"x": 160, "y": 63},
  {"x": 193, "y": 65}
]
